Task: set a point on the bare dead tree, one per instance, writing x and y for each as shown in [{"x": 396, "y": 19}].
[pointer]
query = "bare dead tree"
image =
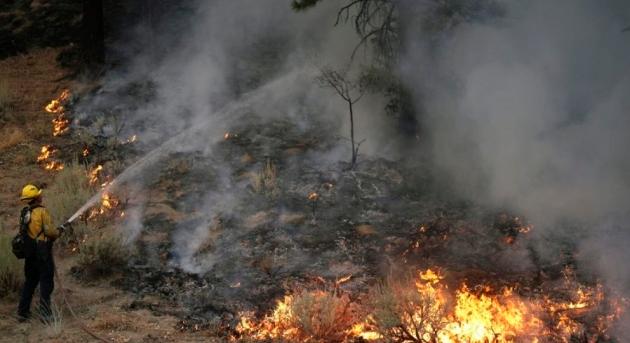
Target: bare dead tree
[{"x": 351, "y": 93}]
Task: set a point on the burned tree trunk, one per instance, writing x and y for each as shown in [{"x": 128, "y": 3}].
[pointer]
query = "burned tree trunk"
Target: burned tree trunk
[
  {"x": 354, "y": 150},
  {"x": 350, "y": 92},
  {"x": 93, "y": 33}
]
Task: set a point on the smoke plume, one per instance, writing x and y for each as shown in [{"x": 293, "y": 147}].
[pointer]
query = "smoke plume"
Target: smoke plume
[
  {"x": 529, "y": 111},
  {"x": 525, "y": 110}
]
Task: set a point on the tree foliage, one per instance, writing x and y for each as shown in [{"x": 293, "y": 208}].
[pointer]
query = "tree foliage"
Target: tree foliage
[
  {"x": 382, "y": 26},
  {"x": 301, "y": 5}
]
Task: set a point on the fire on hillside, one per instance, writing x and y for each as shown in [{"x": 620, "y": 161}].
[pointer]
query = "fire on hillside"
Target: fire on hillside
[
  {"x": 425, "y": 309},
  {"x": 109, "y": 204},
  {"x": 46, "y": 158},
  {"x": 56, "y": 107}
]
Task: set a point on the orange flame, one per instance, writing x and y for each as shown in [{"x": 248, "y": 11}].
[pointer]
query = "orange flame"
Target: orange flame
[
  {"x": 55, "y": 105},
  {"x": 45, "y": 158},
  {"x": 343, "y": 280},
  {"x": 94, "y": 174},
  {"x": 131, "y": 139},
  {"x": 61, "y": 124},
  {"x": 53, "y": 165},
  {"x": 313, "y": 196},
  {"x": 476, "y": 315},
  {"x": 229, "y": 135},
  {"x": 365, "y": 331},
  {"x": 108, "y": 204},
  {"x": 45, "y": 153}
]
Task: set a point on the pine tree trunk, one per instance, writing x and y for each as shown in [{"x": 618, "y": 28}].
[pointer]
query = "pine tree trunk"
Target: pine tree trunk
[{"x": 93, "y": 35}]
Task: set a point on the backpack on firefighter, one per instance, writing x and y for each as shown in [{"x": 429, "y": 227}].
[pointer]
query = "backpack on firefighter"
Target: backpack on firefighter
[{"x": 22, "y": 244}]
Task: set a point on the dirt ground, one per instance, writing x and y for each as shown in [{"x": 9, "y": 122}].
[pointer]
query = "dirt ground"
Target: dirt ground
[
  {"x": 103, "y": 310},
  {"x": 33, "y": 80}
]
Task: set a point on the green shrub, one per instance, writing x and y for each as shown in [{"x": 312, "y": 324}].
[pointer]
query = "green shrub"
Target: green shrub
[
  {"x": 69, "y": 191},
  {"x": 11, "y": 274},
  {"x": 101, "y": 256}
]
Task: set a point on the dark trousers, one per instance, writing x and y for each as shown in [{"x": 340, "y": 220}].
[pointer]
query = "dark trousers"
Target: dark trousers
[{"x": 37, "y": 270}]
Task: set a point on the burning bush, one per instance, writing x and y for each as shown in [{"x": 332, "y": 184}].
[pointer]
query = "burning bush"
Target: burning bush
[
  {"x": 403, "y": 313},
  {"x": 56, "y": 107},
  {"x": 47, "y": 158},
  {"x": 68, "y": 192},
  {"x": 318, "y": 316},
  {"x": 10, "y": 268},
  {"x": 101, "y": 256},
  {"x": 424, "y": 310}
]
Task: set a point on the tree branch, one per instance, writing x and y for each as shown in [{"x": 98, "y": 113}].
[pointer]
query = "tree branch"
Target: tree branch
[{"x": 345, "y": 9}]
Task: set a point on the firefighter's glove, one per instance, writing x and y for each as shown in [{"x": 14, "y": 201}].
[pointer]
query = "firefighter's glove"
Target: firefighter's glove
[{"x": 64, "y": 227}]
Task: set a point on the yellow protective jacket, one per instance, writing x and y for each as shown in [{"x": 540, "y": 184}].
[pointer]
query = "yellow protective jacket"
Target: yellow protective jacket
[{"x": 41, "y": 222}]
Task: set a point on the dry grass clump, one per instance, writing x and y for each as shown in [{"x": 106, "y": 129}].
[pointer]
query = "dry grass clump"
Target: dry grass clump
[
  {"x": 12, "y": 136},
  {"x": 400, "y": 313},
  {"x": 102, "y": 256},
  {"x": 11, "y": 275},
  {"x": 265, "y": 181},
  {"x": 54, "y": 322},
  {"x": 323, "y": 316},
  {"x": 68, "y": 192},
  {"x": 115, "y": 322}
]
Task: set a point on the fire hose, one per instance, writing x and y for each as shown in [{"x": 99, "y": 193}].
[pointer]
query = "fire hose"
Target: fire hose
[{"x": 80, "y": 323}]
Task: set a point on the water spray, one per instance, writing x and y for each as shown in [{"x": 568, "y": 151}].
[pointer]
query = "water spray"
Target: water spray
[{"x": 217, "y": 123}]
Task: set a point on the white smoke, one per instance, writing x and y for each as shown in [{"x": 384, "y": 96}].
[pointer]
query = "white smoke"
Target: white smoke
[{"x": 529, "y": 111}]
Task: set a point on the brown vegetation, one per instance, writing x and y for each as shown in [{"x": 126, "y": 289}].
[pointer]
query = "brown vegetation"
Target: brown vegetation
[
  {"x": 27, "y": 82},
  {"x": 11, "y": 136},
  {"x": 10, "y": 268},
  {"x": 102, "y": 256},
  {"x": 68, "y": 192}
]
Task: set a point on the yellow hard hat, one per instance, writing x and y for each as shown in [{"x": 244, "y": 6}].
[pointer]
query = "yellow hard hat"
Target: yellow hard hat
[{"x": 30, "y": 192}]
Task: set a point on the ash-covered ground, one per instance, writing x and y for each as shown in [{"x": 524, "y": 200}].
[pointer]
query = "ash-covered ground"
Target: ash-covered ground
[{"x": 267, "y": 213}]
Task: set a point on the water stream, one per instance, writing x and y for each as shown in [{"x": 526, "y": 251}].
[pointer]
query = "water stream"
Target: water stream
[{"x": 211, "y": 128}]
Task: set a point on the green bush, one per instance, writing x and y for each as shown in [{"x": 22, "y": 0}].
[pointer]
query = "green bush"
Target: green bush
[
  {"x": 69, "y": 191},
  {"x": 101, "y": 256},
  {"x": 11, "y": 274}
]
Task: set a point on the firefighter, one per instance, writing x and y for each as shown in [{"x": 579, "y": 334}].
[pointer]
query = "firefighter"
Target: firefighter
[{"x": 39, "y": 267}]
